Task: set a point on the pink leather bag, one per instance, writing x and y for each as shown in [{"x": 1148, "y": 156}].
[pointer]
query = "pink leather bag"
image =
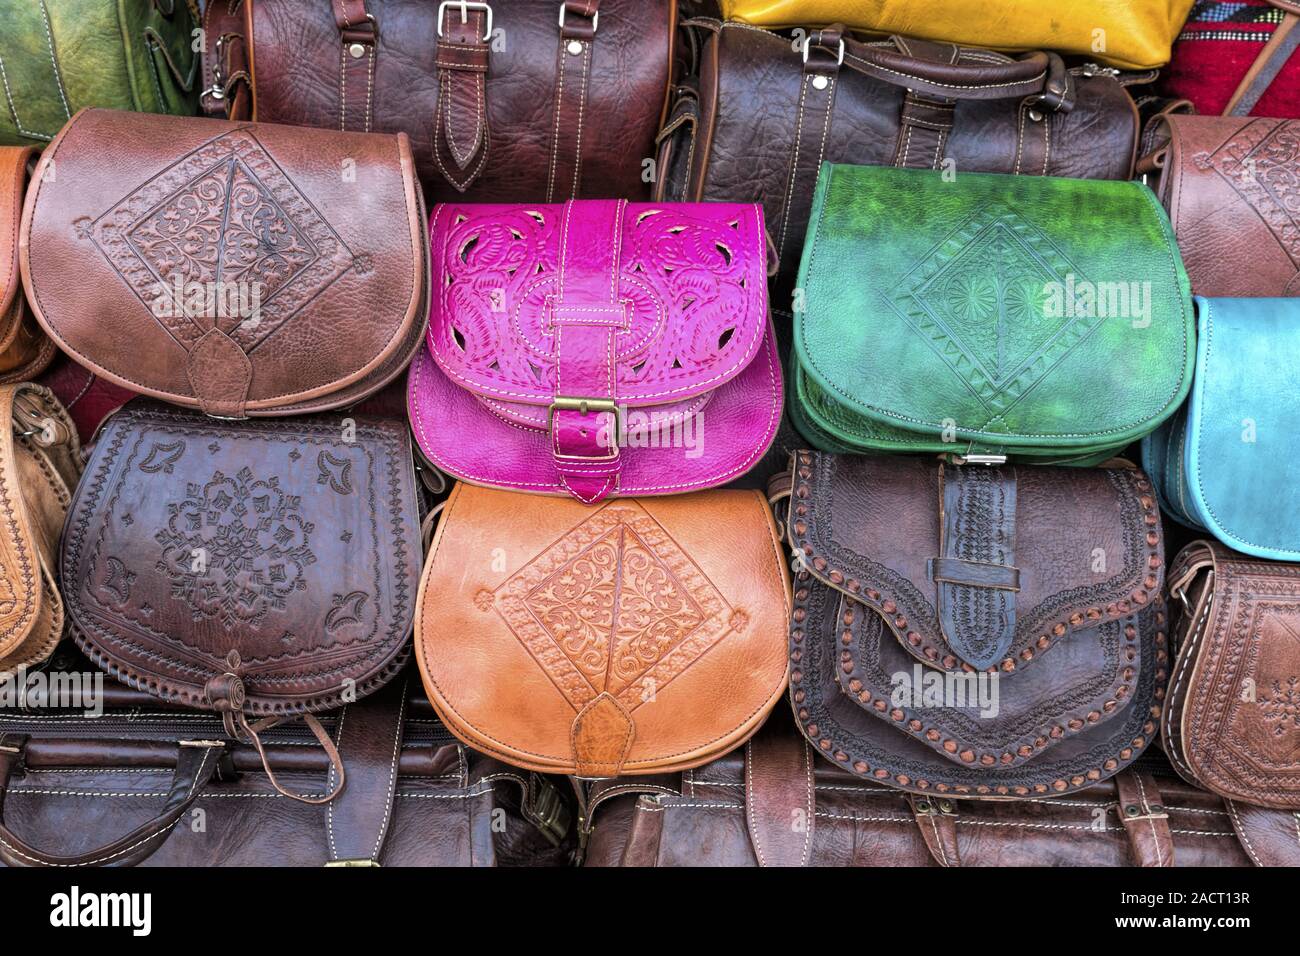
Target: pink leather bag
[{"x": 597, "y": 348}]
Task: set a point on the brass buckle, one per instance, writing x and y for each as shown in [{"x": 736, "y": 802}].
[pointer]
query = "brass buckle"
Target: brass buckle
[
  {"x": 586, "y": 406},
  {"x": 548, "y": 812}
]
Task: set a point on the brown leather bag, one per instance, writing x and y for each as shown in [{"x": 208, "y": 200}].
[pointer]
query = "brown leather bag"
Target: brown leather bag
[
  {"x": 25, "y": 350},
  {"x": 766, "y": 111},
  {"x": 507, "y": 101},
  {"x": 776, "y": 803},
  {"x": 1232, "y": 721},
  {"x": 244, "y": 269},
  {"x": 40, "y": 461},
  {"x": 256, "y": 570},
  {"x": 638, "y": 637},
  {"x": 69, "y": 782}
]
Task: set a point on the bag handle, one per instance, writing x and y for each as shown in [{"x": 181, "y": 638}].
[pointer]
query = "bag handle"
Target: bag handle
[{"x": 196, "y": 763}]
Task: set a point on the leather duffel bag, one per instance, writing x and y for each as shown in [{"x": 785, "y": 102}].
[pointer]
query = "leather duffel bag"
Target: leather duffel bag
[
  {"x": 58, "y": 58},
  {"x": 507, "y": 101},
  {"x": 777, "y": 803},
  {"x": 765, "y": 112},
  {"x": 144, "y": 783},
  {"x": 25, "y": 350}
]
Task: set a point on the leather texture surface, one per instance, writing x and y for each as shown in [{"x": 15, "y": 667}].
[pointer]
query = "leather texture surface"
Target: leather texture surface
[
  {"x": 659, "y": 311},
  {"x": 760, "y": 120},
  {"x": 1137, "y": 34},
  {"x": 1232, "y": 723},
  {"x": 1223, "y": 464},
  {"x": 889, "y": 686},
  {"x": 245, "y": 269},
  {"x": 25, "y": 350},
  {"x": 57, "y": 58},
  {"x": 258, "y": 569},
  {"x": 1027, "y": 316},
  {"x": 639, "y": 637},
  {"x": 1230, "y": 184},
  {"x": 40, "y": 462},
  {"x": 534, "y": 106}
]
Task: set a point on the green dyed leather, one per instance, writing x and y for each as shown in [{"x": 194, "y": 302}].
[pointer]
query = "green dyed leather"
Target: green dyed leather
[
  {"x": 56, "y": 58},
  {"x": 935, "y": 316}
]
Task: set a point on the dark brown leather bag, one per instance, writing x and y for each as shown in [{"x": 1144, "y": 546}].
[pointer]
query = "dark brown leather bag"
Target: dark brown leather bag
[
  {"x": 765, "y": 112},
  {"x": 776, "y": 803},
  {"x": 256, "y": 570},
  {"x": 244, "y": 269},
  {"x": 507, "y": 101},
  {"x": 414, "y": 797}
]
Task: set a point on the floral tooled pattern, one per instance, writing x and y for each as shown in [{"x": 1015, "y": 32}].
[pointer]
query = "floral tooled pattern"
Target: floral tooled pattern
[
  {"x": 615, "y": 606},
  {"x": 1280, "y": 706},
  {"x": 1262, "y": 164},
  {"x": 235, "y": 548}
]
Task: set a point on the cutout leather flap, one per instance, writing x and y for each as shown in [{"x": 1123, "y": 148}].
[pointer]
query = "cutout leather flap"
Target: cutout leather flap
[
  {"x": 267, "y": 568},
  {"x": 642, "y": 636},
  {"x": 304, "y": 248}
]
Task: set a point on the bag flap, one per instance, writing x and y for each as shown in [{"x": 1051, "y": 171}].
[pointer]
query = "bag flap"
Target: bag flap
[
  {"x": 242, "y": 268},
  {"x": 13, "y": 186},
  {"x": 682, "y": 285},
  {"x": 978, "y": 568},
  {"x": 1016, "y": 310},
  {"x": 643, "y": 636},
  {"x": 1242, "y": 419},
  {"x": 211, "y": 561}
]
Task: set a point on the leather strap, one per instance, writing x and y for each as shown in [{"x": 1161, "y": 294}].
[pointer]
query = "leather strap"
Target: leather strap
[
  {"x": 196, "y": 763},
  {"x": 586, "y": 315},
  {"x": 975, "y": 576},
  {"x": 369, "y": 743},
  {"x": 358, "y": 44},
  {"x": 1277, "y": 51},
  {"x": 675, "y": 144},
  {"x": 1269, "y": 837},
  {"x": 936, "y": 818},
  {"x": 780, "y": 797},
  {"x": 460, "y": 128},
  {"x": 578, "y": 23},
  {"x": 227, "y": 80},
  {"x": 925, "y": 119},
  {"x": 1143, "y": 814}
]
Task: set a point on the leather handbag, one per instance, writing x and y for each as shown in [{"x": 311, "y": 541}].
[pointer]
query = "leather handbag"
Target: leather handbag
[
  {"x": 1223, "y": 464},
  {"x": 414, "y": 796},
  {"x": 993, "y": 316},
  {"x": 761, "y": 113},
  {"x": 1232, "y": 719},
  {"x": 40, "y": 461},
  {"x": 641, "y": 637},
  {"x": 1236, "y": 58},
  {"x": 57, "y": 58},
  {"x": 1133, "y": 34},
  {"x": 260, "y": 571},
  {"x": 243, "y": 269},
  {"x": 25, "y": 350},
  {"x": 507, "y": 101},
  {"x": 972, "y": 630},
  {"x": 1230, "y": 184},
  {"x": 776, "y": 803},
  {"x": 597, "y": 348}
]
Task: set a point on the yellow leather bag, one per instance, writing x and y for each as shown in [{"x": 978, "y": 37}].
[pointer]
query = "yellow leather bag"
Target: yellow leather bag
[{"x": 1129, "y": 34}]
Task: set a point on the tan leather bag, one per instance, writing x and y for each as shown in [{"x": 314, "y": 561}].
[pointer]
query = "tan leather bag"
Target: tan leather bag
[
  {"x": 644, "y": 636},
  {"x": 25, "y": 350}
]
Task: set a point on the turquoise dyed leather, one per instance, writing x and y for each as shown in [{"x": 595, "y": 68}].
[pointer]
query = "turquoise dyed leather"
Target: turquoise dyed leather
[
  {"x": 1227, "y": 462},
  {"x": 953, "y": 316}
]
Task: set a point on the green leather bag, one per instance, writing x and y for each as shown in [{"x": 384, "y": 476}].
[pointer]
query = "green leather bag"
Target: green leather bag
[
  {"x": 987, "y": 316},
  {"x": 57, "y": 56}
]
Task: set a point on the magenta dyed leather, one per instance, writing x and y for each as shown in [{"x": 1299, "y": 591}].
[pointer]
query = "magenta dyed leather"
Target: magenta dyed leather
[{"x": 658, "y": 308}]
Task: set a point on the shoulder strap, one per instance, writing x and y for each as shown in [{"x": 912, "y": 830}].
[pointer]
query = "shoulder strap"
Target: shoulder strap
[
  {"x": 1277, "y": 51},
  {"x": 780, "y": 795}
]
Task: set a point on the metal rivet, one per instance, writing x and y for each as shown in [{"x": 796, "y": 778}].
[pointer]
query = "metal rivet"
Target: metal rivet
[
  {"x": 1035, "y": 116},
  {"x": 820, "y": 82},
  {"x": 575, "y": 47},
  {"x": 1131, "y": 810},
  {"x": 356, "y": 51}
]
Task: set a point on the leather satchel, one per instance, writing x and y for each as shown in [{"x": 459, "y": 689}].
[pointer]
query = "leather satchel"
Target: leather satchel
[
  {"x": 25, "y": 350},
  {"x": 260, "y": 571},
  {"x": 976, "y": 631},
  {"x": 1230, "y": 184},
  {"x": 57, "y": 58},
  {"x": 992, "y": 316},
  {"x": 243, "y": 269},
  {"x": 1134, "y": 34},
  {"x": 40, "y": 461},
  {"x": 641, "y": 637},
  {"x": 1232, "y": 722},
  {"x": 761, "y": 113},
  {"x": 507, "y": 101},
  {"x": 597, "y": 348},
  {"x": 414, "y": 797},
  {"x": 1224, "y": 463}
]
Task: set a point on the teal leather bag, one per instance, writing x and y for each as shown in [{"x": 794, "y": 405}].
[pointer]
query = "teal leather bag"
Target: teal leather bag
[
  {"x": 987, "y": 316},
  {"x": 1226, "y": 462}
]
